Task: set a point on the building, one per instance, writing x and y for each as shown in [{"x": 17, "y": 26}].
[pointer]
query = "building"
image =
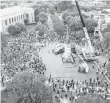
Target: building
[{"x": 12, "y": 15}]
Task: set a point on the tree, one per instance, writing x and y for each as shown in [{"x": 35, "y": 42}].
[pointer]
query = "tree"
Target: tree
[
  {"x": 28, "y": 87},
  {"x": 14, "y": 30},
  {"x": 41, "y": 28},
  {"x": 90, "y": 24},
  {"x": 38, "y": 26},
  {"x": 51, "y": 10},
  {"x": 80, "y": 34},
  {"x": 65, "y": 14},
  {"x": 106, "y": 40},
  {"x": 21, "y": 26},
  {"x": 58, "y": 25},
  {"x": 64, "y": 5},
  {"x": 37, "y": 9},
  {"x": 74, "y": 23},
  {"x": 107, "y": 29},
  {"x": 43, "y": 17}
]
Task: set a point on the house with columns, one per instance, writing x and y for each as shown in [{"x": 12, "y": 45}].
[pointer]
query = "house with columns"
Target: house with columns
[{"x": 12, "y": 15}]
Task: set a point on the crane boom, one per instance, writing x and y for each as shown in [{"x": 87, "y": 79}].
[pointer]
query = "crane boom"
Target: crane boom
[{"x": 84, "y": 28}]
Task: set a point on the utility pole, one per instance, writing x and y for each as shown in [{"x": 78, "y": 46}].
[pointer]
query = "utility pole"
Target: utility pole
[{"x": 84, "y": 28}]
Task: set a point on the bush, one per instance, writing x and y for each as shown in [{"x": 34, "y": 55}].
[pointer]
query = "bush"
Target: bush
[
  {"x": 21, "y": 25},
  {"x": 58, "y": 25},
  {"x": 14, "y": 30},
  {"x": 26, "y": 21}
]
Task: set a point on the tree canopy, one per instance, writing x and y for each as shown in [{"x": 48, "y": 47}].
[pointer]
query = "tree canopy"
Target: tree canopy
[
  {"x": 75, "y": 23},
  {"x": 28, "y": 87},
  {"x": 65, "y": 14},
  {"x": 58, "y": 25},
  {"x": 14, "y": 30},
  {"x": 64, "y": 5},
  {"x": 43, "y": 17},
  {"x": 107, "y": 29}
]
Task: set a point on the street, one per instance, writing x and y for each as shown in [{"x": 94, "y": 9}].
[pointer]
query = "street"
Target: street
[{"x": 57, "y": 69}]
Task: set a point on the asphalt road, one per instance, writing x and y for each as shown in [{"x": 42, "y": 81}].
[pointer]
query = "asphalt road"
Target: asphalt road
[{"x": 57, "y": 69}]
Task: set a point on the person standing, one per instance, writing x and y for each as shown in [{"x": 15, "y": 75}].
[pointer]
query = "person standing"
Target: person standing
[{"x": 3, "y": 81}]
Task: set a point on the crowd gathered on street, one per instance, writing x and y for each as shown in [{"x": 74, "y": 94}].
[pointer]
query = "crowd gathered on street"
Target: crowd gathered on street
[
  {"x": 70, "y": 90},
  {"x": 23, "y": 54}
]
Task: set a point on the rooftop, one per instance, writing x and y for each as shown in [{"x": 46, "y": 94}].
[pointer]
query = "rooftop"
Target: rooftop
[{"x": 12, "y": 10}]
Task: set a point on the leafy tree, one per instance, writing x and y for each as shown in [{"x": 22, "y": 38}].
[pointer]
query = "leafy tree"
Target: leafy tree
[
  {"x": 41, "y": 28},
  {"x": 80, "y": 34},
  {"x": 74, "y": 23},
  {"x": 64, "y": 5},
  {"x": 58, "y": 25},
  {"x": 43, "y": 9},
  {"x": 21, "y": 25},
  {"x": 14, "y": 30},
  {"x": 43, "y": 17},
  {"x": 90, "y": 24},
  {"x": 37, "y": 11},
  {"x": 51, "y": 10},
  {"x": 28, "y": 87},
  {"x": 38, "y": 26},
  {"x": 106, "y": 40},
  {"x": 65, "y": 14},
  {"x": 107, "y": 29}
]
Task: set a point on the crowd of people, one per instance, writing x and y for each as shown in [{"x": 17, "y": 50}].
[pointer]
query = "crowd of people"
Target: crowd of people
[
  {"x": 21, "y": 54},
  {"x": 71, "y": 90}
]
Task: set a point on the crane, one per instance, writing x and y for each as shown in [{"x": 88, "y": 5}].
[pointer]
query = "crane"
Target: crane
[{"x": 89, "y": 48}]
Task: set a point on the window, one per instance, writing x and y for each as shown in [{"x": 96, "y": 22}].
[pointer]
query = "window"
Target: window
[
  {"x": 10, "y": 21},
  {"x": 15, "y": 19},
  {"x": 5, "y": 22}
]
